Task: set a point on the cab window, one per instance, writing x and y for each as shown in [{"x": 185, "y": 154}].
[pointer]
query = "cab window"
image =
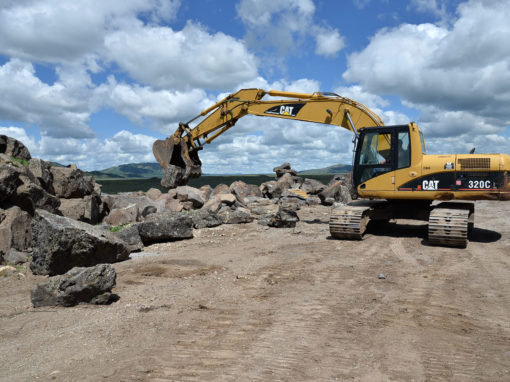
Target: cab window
[
  {"x": 375, "y": 156},
  {"x": 423, "y": 147},
  {"x": 403, "y": 150},
  {"x": 376, "y": 149}
]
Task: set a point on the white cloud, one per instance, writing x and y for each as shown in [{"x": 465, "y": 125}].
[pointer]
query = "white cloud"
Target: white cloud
[
  {"x": 64, "y": 31},
  {"x": 329, "y": 42},
  {"x": 430, "y": 6},
  {"x": 60, "y": 109},
  {"x": 279, "y": 24},
  {"x": 461, "y": 73},
  {"x": 88, "y": 154},
  {"x": 93, "y": 33},
  {"x": 162, "y": 109},
  {"x": 284, "y": 26},
  {"x": 164, "y": 58},
  {"x": 94, "y": 154},
  {"x": 21, "y": 135},
  {"x": 304, "y": 145},
  {"x": 440, "y": 123}
]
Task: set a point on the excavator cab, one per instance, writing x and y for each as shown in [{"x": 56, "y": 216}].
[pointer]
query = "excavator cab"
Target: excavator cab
[{"x": 380, "y": 150}]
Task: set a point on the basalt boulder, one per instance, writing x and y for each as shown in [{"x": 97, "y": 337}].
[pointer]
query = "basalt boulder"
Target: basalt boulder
[
  {"x": 286, "y": 217},
  {"x": 337, "y": 192},
  {"x": 61, "y": 243},
  {"x": 284, "y": 169},
  {"x": 15, "y": 231},
  {"x": 86, "y": 209},
  {"x": 91, "y": 285},
  {"x": 205, "y": 218},
  {"x": 165, "y": 226},
  {"x": 13, "y": 148},
  {"x": 18, "y": 186},
  {"x": 190, "y": 194},
  {"x": 312, "y": 186},
  {"x": 70, "y": 182},
  {"x": 220, "y": 189},
  {"x": 42, "y": 171},
  {"x": 131, "y": 237},
  {"x": 232, "y": 215},
  {"x": 243, "y": 190}
]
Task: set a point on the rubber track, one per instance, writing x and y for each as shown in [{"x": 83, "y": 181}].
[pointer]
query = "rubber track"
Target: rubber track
[
  {"x": 448, "y": 227},
  {"x": 348, "y": 222}
]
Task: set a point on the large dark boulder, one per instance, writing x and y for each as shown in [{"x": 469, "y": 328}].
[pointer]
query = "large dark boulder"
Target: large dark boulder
[
  {"x": 61, "y": 243},
  {"x": 18, "y": 186},
  {"x": 233, "y": 215},
  {"x": 206, "y": 192},
  {"x": 142, "y": 202},
  {"x": 122, "y": 216},
  {"x": 174, "y": 176},
  {"x": 285, "y": 182},
  {"x": 190, "y": 194},
  {"x": 243, "y": 190},
  {"x": 165, "y": 226},
  {"x": 9, "y": 181},
  {"x": 285, "y": 218},
  {"x": 205, "y": 218},
  {"x": 312, "y": 186},
  {"x": 42, "y": 171},
  {"x": 15, "y": 257},
  {"x": 70, "y": 182},
  {"x": 15, "y": 231},
  {"x": 220, "y": 189},
  {"x": 79, "y": 285},
  {"x": 334, "y": 193},
  {"x": 284, "y": 169},
  {"x": 13, "y": 148},
  {"x": 86, "y": 209},
  {"x": 131, "y": 237}
]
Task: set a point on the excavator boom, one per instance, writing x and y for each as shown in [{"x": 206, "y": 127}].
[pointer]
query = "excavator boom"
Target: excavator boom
[{"x": 178, "y": 154}]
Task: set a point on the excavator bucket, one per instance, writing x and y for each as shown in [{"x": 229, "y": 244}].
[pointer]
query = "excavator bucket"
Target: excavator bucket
[{"x": 177, "y": 160}]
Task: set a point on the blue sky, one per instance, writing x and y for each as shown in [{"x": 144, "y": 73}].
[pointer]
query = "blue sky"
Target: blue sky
[{"x": 95, "y": 82}]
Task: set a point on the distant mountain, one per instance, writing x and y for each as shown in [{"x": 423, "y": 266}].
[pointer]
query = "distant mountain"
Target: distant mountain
[
  {"x": 153, "y": 170},
  {"x": 334, "y": 169},
  {"x": 131, "y": 170}
]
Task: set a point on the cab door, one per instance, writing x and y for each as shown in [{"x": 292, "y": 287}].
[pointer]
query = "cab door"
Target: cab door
[{"x": 375, "y": 159}]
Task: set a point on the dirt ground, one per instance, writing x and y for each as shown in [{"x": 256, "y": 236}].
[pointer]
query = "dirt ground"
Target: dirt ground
[{"x": 248, "y": 303}]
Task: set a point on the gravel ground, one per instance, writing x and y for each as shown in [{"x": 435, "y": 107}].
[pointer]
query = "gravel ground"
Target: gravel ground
[{"x": 244, "y": 302}]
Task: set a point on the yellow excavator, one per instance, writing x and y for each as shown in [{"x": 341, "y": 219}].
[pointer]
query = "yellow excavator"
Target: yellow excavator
[{"x": 391, "y": 171}]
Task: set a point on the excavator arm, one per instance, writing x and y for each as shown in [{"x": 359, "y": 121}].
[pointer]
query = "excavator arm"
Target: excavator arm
[{"x": 178, "y": 154}]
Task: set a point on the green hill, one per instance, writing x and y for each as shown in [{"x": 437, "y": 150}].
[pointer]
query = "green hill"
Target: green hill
[
  {"x": 153, "y": 170},
  {"x": 129, "y": 171},
  {"x": 334, "y": 169}
]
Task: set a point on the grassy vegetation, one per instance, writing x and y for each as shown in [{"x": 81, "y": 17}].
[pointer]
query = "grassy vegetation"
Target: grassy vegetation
[
  {"x": 114, "y": 186},
  {"x": 24, "y": 162},
  {"x": 118, "y": 228}
]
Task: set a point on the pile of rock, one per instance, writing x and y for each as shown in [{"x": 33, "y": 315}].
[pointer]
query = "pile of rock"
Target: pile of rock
[
  {"x": 51, "y": 214},
  {"x": 46, "y": 213}
]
